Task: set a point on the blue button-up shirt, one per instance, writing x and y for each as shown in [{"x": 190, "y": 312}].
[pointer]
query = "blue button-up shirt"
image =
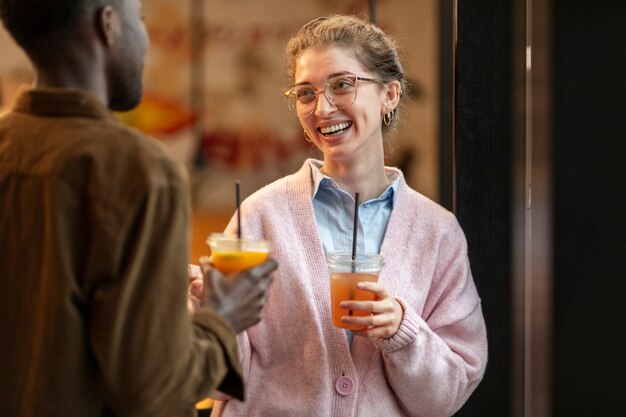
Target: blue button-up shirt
[{"x": 334, "y": 213}]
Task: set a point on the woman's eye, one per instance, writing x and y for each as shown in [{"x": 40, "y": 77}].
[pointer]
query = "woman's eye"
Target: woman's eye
[
  {"x": 305, "y": 94},
  {"x": 341, "y": 84}
]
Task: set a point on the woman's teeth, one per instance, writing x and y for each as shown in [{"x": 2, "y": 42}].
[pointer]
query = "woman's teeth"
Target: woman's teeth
[{"x": 329, "y": 130}]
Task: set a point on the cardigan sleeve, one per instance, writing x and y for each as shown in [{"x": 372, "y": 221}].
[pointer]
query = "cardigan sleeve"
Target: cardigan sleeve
[{"x": 443, "y": 351}]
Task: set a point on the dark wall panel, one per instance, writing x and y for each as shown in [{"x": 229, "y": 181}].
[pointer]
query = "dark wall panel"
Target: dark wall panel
[
  {"x": 589, "y": 130},
  {"x": 483, "y": 178}
]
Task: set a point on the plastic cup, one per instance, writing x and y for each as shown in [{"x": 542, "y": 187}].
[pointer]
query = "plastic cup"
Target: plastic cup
[
  {"x": 345, "y": 273},
  {"x": 232, "y": 254}
]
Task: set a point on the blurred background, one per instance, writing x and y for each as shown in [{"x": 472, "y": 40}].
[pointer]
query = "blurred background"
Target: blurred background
[
  {"x": 213, "y": 93},
  {"x": 516, "y": 123}
]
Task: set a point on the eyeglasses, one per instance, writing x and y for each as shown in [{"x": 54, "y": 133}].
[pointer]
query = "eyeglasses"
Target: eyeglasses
[{"x": 340, "y": 92}]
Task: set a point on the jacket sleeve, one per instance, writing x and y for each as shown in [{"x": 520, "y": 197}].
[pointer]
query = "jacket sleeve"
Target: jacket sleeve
[
  {"x": 444, "y": 350},
  {"x": 243, "y": 342},
  {"x": 154, "y": 357}
]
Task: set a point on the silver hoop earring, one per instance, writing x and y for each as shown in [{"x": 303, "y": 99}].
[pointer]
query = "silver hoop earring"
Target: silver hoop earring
[
  {"x": 388, "y": 117},
  {"x": 306, "y": 137}
]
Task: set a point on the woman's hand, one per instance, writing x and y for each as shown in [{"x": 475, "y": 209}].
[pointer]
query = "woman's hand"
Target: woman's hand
[
  {"x": 196, "y": 284},
  {"x": 386, "y": 312}
]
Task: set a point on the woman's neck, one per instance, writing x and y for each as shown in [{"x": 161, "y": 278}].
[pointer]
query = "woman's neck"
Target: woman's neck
[{"x": 369, "y": 180}]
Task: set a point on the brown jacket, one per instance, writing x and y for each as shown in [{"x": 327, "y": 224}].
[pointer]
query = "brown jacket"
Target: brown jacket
[{"x": 94, "y": 222}]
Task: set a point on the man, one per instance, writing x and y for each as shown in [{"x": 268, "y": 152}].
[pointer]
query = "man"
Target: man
[{"x": 93, "y": 235}]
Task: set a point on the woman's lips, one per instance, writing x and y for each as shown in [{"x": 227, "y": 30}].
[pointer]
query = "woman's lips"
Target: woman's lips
[{"x": 335, "y": 129}]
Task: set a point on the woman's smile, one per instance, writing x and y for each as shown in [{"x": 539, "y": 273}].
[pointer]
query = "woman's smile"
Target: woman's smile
[{"x": 335, "y": 129}]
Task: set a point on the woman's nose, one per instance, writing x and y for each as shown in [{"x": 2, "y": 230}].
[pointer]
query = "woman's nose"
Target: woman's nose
[{"x": 323, "y": 105}]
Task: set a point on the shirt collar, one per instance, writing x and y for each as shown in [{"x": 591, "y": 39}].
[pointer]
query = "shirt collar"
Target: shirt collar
[
  {"x": 60, "y": 102},
  {"x": 321, "y": 180}
]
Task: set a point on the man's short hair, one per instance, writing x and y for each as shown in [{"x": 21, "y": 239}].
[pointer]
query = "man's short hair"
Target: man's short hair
[{"x": 31, "y": 21}]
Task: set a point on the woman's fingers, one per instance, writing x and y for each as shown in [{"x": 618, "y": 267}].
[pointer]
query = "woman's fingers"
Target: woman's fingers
[
  {"x": 385, "y": 313},
  {"x": 379, "y": 291}
]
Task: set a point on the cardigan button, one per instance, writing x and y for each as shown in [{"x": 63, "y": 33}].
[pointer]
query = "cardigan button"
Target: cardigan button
[{"x": 344, "y": 385}]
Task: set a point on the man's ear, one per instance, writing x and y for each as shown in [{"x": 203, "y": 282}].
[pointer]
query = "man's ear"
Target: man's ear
[{"x": 107, "y": 25}]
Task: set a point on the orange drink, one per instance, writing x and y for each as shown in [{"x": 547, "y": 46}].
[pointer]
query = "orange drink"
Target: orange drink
[
  {"x": 235, "y": 261},
  {"x": 230, "y": 254},
  {"x": 343, "y": 287},
  {"x": 345, "y": 273}
]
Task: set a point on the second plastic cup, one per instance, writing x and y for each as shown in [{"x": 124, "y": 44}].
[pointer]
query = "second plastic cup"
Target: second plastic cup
[
  {"x": 231, "y": 254},
  {"x": 345, "y": 273}
]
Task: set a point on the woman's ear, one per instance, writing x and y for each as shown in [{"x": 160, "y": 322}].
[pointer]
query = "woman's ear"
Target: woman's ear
[{"x": 393, "y": 91}]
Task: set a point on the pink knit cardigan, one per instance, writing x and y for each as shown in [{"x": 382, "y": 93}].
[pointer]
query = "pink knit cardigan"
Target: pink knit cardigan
[{"x": 296, "y": 363}]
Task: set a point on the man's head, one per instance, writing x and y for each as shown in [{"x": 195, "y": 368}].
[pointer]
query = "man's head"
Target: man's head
[
  {"x": 31, "y": 21},
  {"x": 73, "y": 36}
]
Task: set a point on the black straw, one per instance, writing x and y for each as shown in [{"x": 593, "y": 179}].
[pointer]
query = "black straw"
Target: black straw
[
  {"x": 238, "y": 197},
  {"x": 354, "y": 234},
  {"x": 354, "y": 228}
]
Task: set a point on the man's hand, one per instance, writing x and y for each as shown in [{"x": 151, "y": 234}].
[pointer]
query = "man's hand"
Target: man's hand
[{"x": 238, "y": 297}]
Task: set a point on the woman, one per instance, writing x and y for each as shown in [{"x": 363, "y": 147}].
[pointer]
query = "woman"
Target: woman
[{"x": 424, "y": 349}]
